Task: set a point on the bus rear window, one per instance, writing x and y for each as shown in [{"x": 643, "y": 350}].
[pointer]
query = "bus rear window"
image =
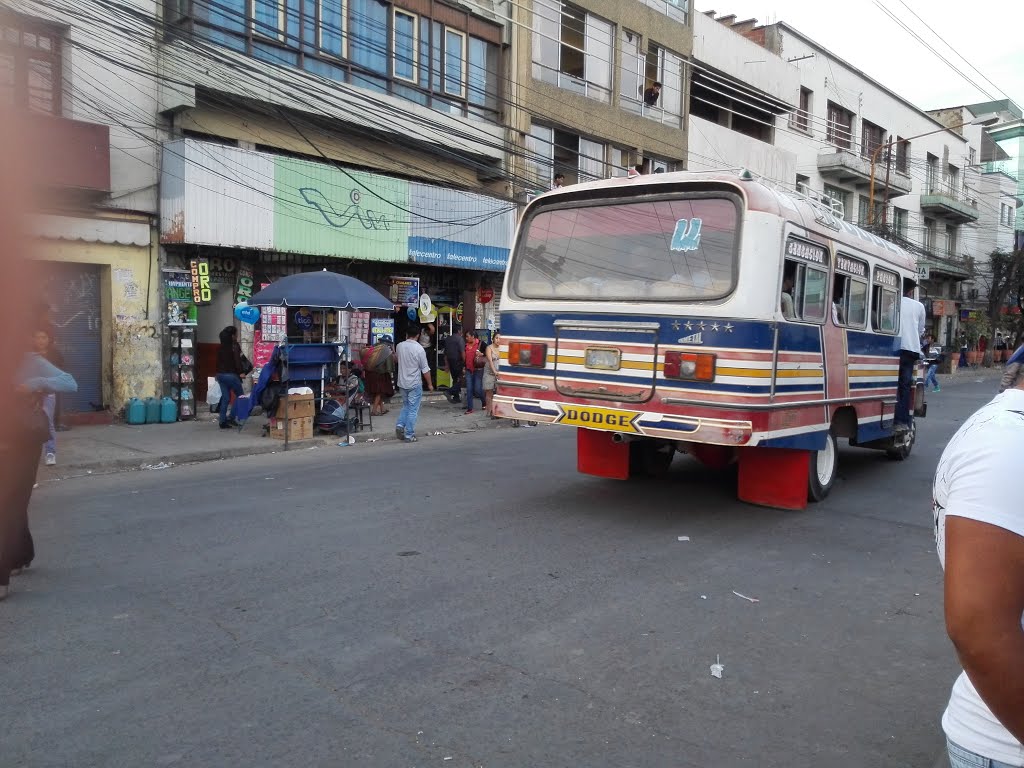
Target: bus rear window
[{"x": 662, "y": 250}]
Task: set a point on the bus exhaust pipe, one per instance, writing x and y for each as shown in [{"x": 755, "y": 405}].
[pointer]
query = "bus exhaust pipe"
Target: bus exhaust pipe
[{"x": 618, "y": 437}]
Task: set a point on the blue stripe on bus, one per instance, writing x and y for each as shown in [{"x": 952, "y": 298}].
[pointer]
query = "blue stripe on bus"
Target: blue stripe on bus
[
  {"x": 806, "y": 441},
  {"x": 863, "y": 343},
  {"x": 873, "y": 384},
  {"x": 669, "y": 425}
]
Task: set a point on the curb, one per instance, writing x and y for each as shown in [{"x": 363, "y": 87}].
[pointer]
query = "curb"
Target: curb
[{"x": 166, "y": 461}]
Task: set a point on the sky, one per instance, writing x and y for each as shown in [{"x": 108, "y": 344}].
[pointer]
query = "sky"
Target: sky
[{"x": 987, "y": 33}]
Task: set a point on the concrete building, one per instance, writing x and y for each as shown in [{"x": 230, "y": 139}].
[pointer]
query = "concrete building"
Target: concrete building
[
  {"x": 582, "y": 98},
  {"x": 97, "y": 232},
  {"x": 268, "y": 137},
  {"x": 927, "y": 188},
  {"x": 738, "y": 92}
]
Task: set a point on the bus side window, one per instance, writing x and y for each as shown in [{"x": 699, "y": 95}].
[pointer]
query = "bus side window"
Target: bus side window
[
  {"x": 850, "y": 302},
  {"x": 885, "y": 308},
  {"x": 804, "y": 290}
]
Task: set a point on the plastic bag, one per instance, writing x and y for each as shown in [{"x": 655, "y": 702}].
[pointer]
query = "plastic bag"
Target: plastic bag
[{"x": 212, "y": 391}]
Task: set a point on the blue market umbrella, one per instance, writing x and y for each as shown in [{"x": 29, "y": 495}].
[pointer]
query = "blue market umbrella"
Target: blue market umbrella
[{"x": 321, "y": 290}]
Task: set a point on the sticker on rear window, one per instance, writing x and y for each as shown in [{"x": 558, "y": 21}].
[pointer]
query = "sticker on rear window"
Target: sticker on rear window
[{"x": 687, "y": 235}]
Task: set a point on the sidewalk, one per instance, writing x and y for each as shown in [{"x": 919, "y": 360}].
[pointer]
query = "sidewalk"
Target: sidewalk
[{"x": 123, "y": 447}]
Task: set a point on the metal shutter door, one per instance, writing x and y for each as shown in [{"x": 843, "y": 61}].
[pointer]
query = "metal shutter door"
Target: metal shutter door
[{"x": 73, "y": 291}]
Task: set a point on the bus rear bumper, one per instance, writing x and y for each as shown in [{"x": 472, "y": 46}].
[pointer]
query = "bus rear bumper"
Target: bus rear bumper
[{"x": 641, "y": 424}]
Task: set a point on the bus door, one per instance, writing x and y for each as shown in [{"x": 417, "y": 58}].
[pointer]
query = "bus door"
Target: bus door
[{"x": 849, "y": 317}]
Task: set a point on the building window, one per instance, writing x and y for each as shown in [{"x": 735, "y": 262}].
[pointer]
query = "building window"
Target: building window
[
  {"x": 1006, "y": 214},
  {"x": 801, "y": 118},
  {"x": 332, "y": 28},
  {"x": 899, "y": 222},
  {"x": 674, "y": 9},
  {"x": 872, "y": 137},
  {"x": 932, "y": 173},
  {"x": 840, "y": 126},
  {"x": 366, "y": 43},
  {"x": 929, "y": 235},
  {"x": 902, "y": 154},
  {"x": 727, "y": 103},
  {"x": 622, "y": 161},
  {"x": 838, "y": 195},
  {"x": 572, "y": 49},
  {"x": 973, "y": 157},
  {"x": 540, "y": 155},
  {"x": 631, "y": 78},
  {"x": 454, "y": 63},
  {"x": 404, "y": 45},
  {"x": 664, "y": 102},
  {"x": 952, "y": 233},
  {"x": 864, "y": 217},
  {"x": 803, "y": 184},
  {"x": 30, "y": 65},
  {"x": 952, "y": 180}
]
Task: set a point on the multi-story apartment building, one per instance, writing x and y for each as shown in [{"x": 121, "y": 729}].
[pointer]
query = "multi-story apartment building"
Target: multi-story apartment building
[
  {"x": 266, "y": 137},
  {"x": 583, "y": 101},
  {"x": 96, "y": 231},
  {"x": 847, "y": 130}
]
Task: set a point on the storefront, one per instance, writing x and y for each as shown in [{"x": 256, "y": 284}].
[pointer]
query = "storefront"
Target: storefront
[
  {"x": 254, "y": 217},
  {"x": 101, "y": 295}
]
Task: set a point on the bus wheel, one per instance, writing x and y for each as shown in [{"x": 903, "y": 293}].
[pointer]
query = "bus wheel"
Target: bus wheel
[
  {"x": 824, "y": 466},
  {"x": 648, "y": 458},
  {"x": 903, "y": 444}
]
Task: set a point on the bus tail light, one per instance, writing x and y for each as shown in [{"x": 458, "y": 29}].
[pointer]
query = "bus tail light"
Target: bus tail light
[
  {"x": 527, "y": 355},
  {"x": 691, "y": 366}
]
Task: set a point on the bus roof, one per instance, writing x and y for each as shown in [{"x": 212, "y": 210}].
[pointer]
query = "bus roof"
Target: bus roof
[{"x": 759, "y": 196}]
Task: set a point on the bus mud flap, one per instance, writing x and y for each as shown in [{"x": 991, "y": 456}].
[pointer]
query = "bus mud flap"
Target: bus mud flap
[
  {"x": 774, "y": 477},
  {"x": 598, "y": 454}
]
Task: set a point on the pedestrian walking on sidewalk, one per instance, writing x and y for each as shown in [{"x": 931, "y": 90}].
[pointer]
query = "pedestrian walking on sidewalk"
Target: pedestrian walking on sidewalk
[
  {"x": 26, "y": 433},
  {"x": 455, "y": 359},
  {"x": 475, "y": 363},
  {"x": 493, "y": 355},
  {"x": 379, "y": 373},
  {"x": 413, "y": 372},
  {"x": 43, "y": 346},
  {"x": 229, "y": 374},
  {"x": 979, "y": 537}
]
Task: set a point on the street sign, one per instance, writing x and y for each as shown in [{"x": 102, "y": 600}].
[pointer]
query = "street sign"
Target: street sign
[{"x": 923, "y": 271}]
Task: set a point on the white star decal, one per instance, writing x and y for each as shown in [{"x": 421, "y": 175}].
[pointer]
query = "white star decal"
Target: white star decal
[
  {"x": 714, "y": 326},
  {"x": 688, "y": 326},
  {"x": 729, "y": 327},
  {"x": 701, "y": 325},
  {"x": 675, "y": 325}
]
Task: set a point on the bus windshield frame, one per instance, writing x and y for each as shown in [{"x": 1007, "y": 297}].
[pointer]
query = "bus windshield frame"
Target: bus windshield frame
[{"x": 691, "y": 237}]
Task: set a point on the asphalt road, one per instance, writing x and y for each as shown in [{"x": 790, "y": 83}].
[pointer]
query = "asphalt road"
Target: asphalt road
[{"x": 473, "y": 598}]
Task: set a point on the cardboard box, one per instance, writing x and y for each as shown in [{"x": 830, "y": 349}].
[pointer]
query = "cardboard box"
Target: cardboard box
[
  {"x": 296, "y": 407},
  {"x": 298, "y": 429}
]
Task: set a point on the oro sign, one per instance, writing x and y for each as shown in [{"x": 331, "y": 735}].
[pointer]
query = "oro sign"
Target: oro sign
[
  {"x": 202, "y": 291},
  {"x": 485, "y": 295}
]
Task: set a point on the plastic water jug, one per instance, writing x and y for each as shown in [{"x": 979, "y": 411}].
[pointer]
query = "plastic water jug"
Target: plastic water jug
[
  {"x": 168, "y": 411},
  {"x": 152, "y": 410},
  {"x": 135, "y": 411}
]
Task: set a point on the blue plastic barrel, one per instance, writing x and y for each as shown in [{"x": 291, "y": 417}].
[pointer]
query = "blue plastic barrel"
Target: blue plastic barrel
[
  {"x": 135, "y": 411},
  {"x": 152, "y": 410},
  {"x": 168, "y": 411}
]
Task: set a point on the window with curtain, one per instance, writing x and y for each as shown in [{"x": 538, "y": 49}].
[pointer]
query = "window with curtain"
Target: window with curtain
[
  {"x": 368, "y": 37},
  {"x": 454, "y": 63},
  {"x": 332, "y": 39},
  {"x": 540, "y": 154},
  {"x": 592, "y": 165},
  {"x": 405, "y": 45}
]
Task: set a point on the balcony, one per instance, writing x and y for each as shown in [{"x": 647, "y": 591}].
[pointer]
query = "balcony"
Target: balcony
[
  {"x": 848, "y": 167},
  {"x": 70, "y": 156},
  {"x": 949, "y": 204}
]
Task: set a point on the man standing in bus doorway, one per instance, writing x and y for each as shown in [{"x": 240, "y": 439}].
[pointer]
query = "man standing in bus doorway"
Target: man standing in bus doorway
[{"x": 912, "y": 322}]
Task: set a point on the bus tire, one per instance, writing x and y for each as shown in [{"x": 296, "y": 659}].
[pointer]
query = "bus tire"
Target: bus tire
[
  {"x": 901, "y": 449},
  {"x": 823, "y": 470},
  {"x": 647, "y": 458}
]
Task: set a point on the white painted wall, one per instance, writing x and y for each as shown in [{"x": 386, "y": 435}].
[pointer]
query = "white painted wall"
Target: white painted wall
[
  {"x": 720, "y": 47},
  {"x": 713, "y": 147}
]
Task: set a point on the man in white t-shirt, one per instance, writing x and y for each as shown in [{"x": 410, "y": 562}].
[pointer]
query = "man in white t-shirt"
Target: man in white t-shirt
[
  {"x": 912, "y": 322},
  {"x": 979, "y": 537},
  {"x": 413, "y": 373}
]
